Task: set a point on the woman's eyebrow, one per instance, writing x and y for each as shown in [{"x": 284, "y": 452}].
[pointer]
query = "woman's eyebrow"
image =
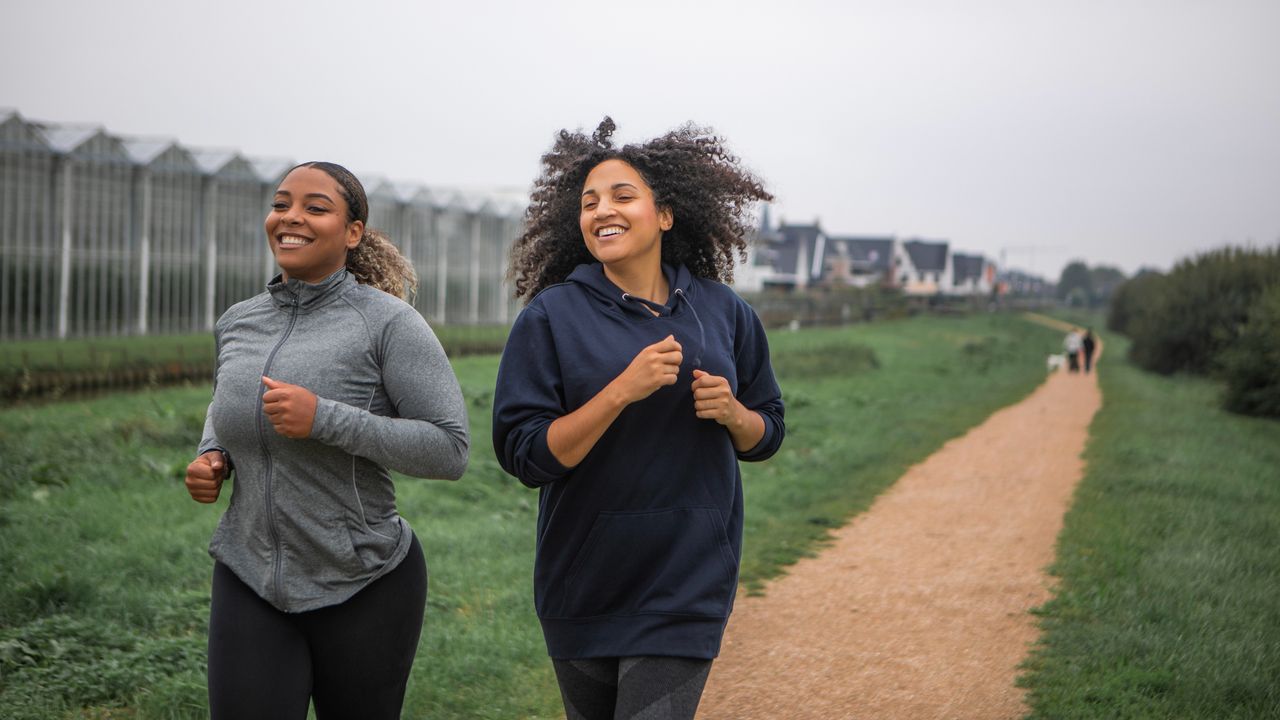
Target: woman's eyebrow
[
  {"x": 322, "y": 196},
  {"x": 615, "y": 186}
]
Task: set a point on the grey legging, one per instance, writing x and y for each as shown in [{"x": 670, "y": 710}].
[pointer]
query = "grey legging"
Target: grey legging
[{"x": 632, "y": 688}]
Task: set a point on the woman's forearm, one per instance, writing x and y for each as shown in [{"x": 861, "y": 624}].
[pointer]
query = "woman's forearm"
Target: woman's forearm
[
  {"x": 746, "y": 429},
  {"x": 570, "y": 437}
]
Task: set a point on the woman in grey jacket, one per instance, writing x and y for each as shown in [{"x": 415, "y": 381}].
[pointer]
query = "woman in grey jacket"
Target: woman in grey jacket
[{"x": 323, "y": 384}]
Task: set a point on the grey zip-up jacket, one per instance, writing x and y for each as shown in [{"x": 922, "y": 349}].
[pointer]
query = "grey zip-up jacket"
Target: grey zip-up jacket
[{"x": 312, "y": 521}]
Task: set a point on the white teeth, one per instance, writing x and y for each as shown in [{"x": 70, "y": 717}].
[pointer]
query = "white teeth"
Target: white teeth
[
  {"x": 611, "y": 230},
  {"x": 293, "y": 240}
]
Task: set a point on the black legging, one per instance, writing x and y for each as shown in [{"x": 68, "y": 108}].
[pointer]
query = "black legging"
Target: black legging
[{"x": 353, "y": 658}]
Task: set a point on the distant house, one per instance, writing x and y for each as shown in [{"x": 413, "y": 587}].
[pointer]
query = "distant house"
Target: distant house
[
  {"x": 788, "y": 257},
  {"x": 924, "y": 267},
  {"x": 797, "y": 256},
  {"x": 971, "y": 275},
  {"x": 859, "y": 261}
]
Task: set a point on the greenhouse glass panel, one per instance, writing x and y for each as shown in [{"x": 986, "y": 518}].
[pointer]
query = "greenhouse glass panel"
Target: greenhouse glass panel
[
  {"x": 28, "y": 251},
  {"x": 242, "y": 252},
  {"x": 456, "y": 233},
  {"x": 99, "y": 204},
  {"x": 177, "y": 200}
]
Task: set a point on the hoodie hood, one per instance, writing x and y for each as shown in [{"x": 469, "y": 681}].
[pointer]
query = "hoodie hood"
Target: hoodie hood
[{"x": 591, "y": 277}]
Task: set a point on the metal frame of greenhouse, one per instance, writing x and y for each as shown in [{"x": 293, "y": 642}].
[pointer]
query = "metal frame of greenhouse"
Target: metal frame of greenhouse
[{"x": 108, "y": 235}]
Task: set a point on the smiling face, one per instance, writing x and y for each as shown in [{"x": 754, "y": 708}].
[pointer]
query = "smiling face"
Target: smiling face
[
  {"x": 307, "y": 227},
  {"x": 621, "y": 224}
]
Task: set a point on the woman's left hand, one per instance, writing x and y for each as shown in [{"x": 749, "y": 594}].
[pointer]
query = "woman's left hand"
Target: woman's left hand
[
  {"x": 290, "y": 408},
  {"x": 713, "y": 398}
]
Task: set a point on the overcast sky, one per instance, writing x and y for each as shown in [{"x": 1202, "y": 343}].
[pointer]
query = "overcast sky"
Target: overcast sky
[{"x": 1125, "y": 132}]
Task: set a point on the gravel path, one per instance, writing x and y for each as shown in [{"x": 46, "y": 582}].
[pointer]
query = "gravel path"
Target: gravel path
[{"x": 918, "y": 609}]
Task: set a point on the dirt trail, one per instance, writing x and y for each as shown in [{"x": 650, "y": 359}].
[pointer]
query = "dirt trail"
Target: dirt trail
[{"x": 919, "y": 607}]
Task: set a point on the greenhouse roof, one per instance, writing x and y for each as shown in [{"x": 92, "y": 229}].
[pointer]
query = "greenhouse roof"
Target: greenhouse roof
[
  {"x": 211, "y": 161},
  {"x": 271, "y": 169},
  {"x": 66, "y": 138},
  {"x": 145, "y": 150}
]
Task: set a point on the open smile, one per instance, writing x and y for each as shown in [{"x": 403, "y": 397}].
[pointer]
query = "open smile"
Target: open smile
[
  {"x": 292, "y": 241},
  {"x": 609, "y": 231}
]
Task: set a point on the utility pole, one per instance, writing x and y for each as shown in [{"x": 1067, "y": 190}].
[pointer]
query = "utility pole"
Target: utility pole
[{"x": 1030, "y": 250}]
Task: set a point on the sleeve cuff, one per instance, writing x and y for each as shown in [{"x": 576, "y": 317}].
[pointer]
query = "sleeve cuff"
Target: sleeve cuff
[
  {"x": 207, "y": 447},
  {"x": 320, "y": 424},
  {"x": 542, "y": 467},
  {"x": 764, "y": 449}
]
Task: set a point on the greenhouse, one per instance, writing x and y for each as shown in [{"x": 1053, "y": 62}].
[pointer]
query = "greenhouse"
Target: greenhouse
[{"x": 108, "y": 235}]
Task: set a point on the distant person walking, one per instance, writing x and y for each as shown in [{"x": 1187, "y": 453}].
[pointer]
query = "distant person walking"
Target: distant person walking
[
  {"x": 1088, "y": 345},
  {"x": 323, "y": 384},
  {"x": 632, "y": 384},
  {"x": 1072, "y": 344}
]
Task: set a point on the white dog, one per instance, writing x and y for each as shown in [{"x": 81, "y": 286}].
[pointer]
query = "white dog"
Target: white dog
[{"x": 1055, "y": 362}]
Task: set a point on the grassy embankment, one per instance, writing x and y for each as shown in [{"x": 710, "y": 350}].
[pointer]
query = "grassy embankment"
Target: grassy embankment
[
  {"x": 104, "y": 577},
  {"x": 107, "y": 352},
  {"x": 1169, "y": 602},
  {"x": 41, "y": 370}
]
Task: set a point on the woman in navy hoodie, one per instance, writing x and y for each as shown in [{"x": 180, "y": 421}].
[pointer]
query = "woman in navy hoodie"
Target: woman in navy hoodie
[{"x": 631, "y": 385}]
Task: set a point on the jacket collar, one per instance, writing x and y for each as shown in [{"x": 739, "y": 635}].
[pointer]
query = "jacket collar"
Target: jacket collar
[{"x": 308, "y": 296}]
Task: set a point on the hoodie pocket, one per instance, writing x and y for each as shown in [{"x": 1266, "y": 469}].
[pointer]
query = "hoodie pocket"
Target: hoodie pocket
[{"x": 675, "y": 561}]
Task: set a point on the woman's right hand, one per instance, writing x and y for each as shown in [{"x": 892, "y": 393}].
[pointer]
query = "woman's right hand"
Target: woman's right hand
[
  {"x": 651, "y": 368},
  {"x": 570, "y": 437},
  {"x": 205, "y": 475}
]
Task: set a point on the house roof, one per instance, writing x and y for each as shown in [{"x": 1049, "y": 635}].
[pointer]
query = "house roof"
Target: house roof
[
  {"x": 967, "y": 267},
  {"x": 927, "y": 256}
]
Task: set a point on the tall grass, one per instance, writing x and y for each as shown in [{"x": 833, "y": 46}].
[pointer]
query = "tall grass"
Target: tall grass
[
  {"x": 1168, "y": 605},
  {"x": 104, "y": 575}
]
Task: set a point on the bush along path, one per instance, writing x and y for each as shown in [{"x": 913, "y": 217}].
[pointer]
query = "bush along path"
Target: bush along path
[{"x": 919, "y": 608}]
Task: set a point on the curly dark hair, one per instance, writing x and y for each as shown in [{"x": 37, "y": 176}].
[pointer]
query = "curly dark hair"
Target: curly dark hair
[{"x": 690, "y": 171}]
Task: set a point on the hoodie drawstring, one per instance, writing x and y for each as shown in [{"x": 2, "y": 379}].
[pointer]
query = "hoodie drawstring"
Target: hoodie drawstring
[
  {"x": 661, "y": 310},
  {"x": 702, "y": 334}
]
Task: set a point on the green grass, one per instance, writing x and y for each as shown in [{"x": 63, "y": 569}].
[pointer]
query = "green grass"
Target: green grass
[
  {"x": 101, "y": 353},
  {"x": 1168, "y": 605},
  {"x": 104, "y": 574},
  {"x": 104, "y": 352}
]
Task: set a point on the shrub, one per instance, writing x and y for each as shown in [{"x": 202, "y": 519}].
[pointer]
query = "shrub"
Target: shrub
[
  {"x": 1252, "y": 364},
  {"x": 1184, "y": 321},
  {"x": 1135, "y": 297}
]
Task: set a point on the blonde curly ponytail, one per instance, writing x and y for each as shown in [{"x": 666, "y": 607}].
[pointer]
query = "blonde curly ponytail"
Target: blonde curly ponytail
[{"x": 377, "y": 263}]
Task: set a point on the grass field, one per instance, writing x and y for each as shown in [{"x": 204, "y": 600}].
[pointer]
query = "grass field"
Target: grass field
[
  {"x": 1169, "y": 603},
  {"x": 104, "y": 575},
  {"x": 106, "y": 352}
]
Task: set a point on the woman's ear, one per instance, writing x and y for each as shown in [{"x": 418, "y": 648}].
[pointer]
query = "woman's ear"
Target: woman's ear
[
  {"x": 355, "y": 232},
  {"x": 666, "y": 219}
]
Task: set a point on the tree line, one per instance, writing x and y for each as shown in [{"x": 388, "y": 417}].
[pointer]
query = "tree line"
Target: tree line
[{"x": 1216, "y": 314}]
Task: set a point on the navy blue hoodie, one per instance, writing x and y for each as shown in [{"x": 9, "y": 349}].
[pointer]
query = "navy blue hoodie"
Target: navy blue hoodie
[{"x": 638, "y": 546}]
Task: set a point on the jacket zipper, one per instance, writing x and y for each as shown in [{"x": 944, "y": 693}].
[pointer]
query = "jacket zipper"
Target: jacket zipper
[{"x": 262, "y": 438}]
